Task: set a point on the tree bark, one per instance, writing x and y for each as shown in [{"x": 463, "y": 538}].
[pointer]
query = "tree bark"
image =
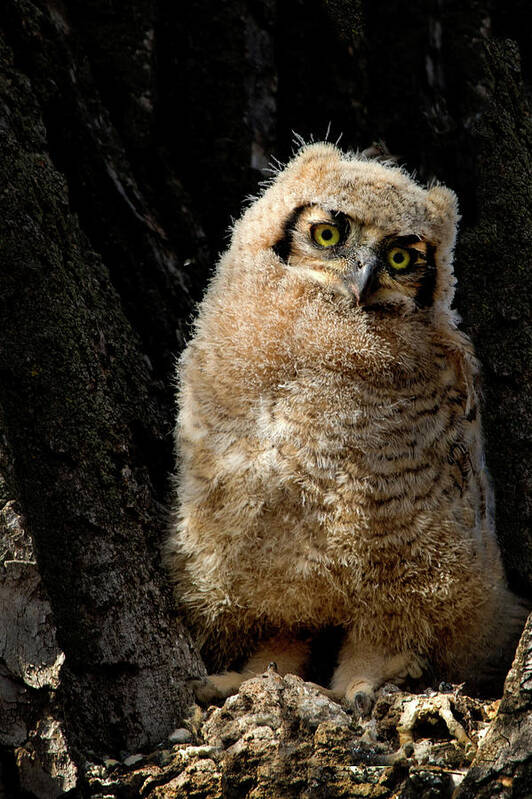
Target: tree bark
[
  {"x": 503, "y": 765},
  {"x": 130, "y": 135},
  {"x": 75, "y": 395}
]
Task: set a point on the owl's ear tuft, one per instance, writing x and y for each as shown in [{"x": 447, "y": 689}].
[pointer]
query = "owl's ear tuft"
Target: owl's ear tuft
[
  {"x": 442, "y": 211},
  {"x": 443, "y": 205}
]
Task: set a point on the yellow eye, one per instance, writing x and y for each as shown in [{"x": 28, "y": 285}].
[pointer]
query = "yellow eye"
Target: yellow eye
[
  {"x": 399, "y": 258},
  {"x": 325, "y": 235}
]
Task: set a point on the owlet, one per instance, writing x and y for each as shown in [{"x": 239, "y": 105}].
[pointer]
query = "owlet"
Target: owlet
[{"x": 331, "y": 461}]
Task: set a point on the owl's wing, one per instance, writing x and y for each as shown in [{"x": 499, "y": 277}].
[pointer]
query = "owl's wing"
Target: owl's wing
[{"x": 466, "y": 454}]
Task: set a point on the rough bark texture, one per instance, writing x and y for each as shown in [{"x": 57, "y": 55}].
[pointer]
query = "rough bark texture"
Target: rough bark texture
[
  {"x": 130, "y": 134},
  {"x": 503, "y": 764},
  {"x": 83, "y": 428}
]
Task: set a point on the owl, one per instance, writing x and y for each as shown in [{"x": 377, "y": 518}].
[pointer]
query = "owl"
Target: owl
[{"x": 331, "y": 463}]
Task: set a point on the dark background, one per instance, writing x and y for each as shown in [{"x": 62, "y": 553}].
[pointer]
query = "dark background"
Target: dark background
[{"x": 130, "y": 134}]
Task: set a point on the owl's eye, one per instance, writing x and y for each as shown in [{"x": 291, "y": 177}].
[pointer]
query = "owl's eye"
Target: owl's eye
[
  {"x": 399, "y": 258},
  {"x": 325, "y": 235}
]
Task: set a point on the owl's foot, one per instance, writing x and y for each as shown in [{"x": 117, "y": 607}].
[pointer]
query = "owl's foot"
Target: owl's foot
[
  {"x": 287, "y": 655},
  {"x": 363, "y": 704},
  {"x": 357, "y": 677},
  {"x": 360, "y": 694},
  {"x": 217, "y": 687}
]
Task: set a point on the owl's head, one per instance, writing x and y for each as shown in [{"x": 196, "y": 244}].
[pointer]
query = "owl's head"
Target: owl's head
[{"x": 365, "y": 230}]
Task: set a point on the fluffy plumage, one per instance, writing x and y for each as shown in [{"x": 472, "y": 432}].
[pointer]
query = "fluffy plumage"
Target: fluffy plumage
[{"x": 331, "y": 458}]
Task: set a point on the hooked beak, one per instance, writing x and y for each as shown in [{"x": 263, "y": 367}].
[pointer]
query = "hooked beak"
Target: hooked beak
[{"x": 360, "y": 279}]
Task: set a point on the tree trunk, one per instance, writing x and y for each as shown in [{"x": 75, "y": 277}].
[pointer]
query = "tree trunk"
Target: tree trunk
[
  {"x": 504, "y": 759},
  {"x": 87, "y": 425},
  {"x": 131, "y": 133}
]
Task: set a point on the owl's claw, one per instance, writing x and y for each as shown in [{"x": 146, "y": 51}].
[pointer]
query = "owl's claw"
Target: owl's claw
[
  {"x": 217, "y": 687},
  {"x": 363, "y": 703}
]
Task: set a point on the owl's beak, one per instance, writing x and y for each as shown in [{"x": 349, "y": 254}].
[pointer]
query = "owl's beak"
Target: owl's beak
[{"x": 360, "y": 280}]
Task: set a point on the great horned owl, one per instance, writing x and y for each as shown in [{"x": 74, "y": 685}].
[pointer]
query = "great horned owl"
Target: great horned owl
[{"x": 331, "y": 459}]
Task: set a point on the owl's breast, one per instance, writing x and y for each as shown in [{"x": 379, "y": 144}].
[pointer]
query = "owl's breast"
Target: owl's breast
[
  {"x": 367, "y": 460},
  {"x": 299, "y": 499}
]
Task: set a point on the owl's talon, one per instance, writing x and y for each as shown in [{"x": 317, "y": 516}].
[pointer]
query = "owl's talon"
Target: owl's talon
[
  {"x": 363, "y": 704},
  {"x": 417, "y": 667}
]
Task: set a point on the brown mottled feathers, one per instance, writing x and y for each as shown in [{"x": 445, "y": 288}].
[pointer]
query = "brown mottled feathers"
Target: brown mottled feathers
[{"x": 331, "y": 458}]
